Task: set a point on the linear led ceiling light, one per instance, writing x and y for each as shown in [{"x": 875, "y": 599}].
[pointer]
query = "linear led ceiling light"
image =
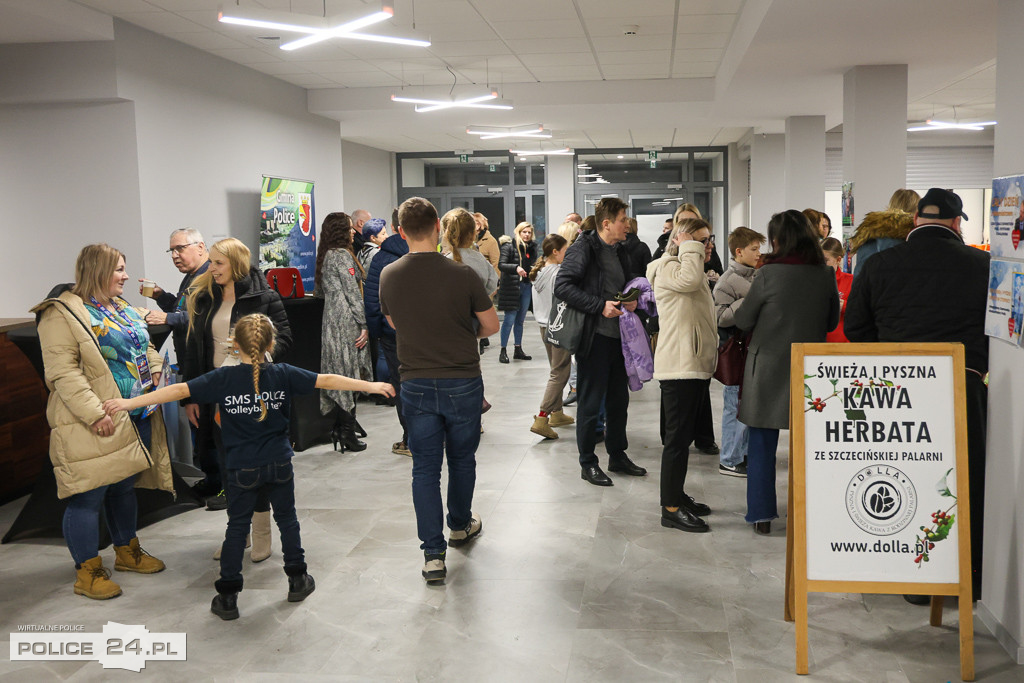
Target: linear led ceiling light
[
  {"x": 932, "y": 124},
  {"x": 541, "y": 152},
  {"x": 486, "y": 101},
  {"x": 318, "y": 28},
  {"x": 534, "y": 131}
]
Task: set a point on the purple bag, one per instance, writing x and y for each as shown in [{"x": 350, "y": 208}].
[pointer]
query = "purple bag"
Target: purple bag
[{"x": 636, "y": 345}]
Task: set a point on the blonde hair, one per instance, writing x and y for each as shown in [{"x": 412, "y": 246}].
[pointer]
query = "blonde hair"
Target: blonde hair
[
  {"x": 686, "y": 207},
  {"x": 254, "y": 334},
  {"x": 94, "y": 268},
  {"x": 238, "y": 256},
  {"x": 483, "y": 220},
  {"x": 687, "y": 225},
  {"x": 631, "y": 225},
  {"x": 570, "y": 230},
  {"x": 459, "y": 229},
  {"x": 519, "y": 230},
  {"x": 904, "y": 200}
]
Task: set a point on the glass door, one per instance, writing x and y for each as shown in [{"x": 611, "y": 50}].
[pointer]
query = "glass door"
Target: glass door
[
  {"x": 492, "y": 206},
  {"x": 651, "y": 211},
  {"x": 532, "y": 207}
]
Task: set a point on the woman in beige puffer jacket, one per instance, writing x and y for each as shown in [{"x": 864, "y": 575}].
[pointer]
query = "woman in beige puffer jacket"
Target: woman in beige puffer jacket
[
  {"x": 98, "y": 460},
  {"x": 684, "y": 361}
]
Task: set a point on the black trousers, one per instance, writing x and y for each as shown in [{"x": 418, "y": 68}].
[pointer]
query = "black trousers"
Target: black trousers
[
  {"x": 704, "y": 422},
  {"x": 680, "y": 407},
  {"x": 389, "y": 347},
  {"x": 601, "y": 374},
  {"x": 977, "y": 420},
  {"x": 705, "y": 430}
]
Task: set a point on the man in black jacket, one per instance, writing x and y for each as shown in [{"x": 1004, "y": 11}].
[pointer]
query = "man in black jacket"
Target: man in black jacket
[
  {"x": 188, "y": 251},
  {"x": 595, "y": 269},
  {"x": 933, "y": 288}
]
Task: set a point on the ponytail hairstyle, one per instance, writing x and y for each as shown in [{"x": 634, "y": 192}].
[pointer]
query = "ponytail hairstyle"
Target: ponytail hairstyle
[
  {"x": 254, "y": 334},
  {"x": 549, "y": 246},
  {"x": 459, "y": 229},
  {"x": 833, "y": 247},
  {"x": 237, "y": 255}
]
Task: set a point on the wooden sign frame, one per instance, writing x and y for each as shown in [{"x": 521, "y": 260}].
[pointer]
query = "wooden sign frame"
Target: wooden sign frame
[{"x": 797, "y": 583}]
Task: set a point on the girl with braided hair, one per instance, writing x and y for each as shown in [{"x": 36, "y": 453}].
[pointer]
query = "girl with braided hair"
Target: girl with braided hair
[{"x": 255, "y": 402}]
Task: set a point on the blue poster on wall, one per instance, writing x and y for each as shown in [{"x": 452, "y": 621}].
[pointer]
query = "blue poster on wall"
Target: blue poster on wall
[{"x": 288, "y": 227}]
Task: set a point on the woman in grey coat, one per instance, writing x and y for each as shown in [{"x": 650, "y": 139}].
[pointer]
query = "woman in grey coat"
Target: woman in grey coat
[
  {"x": 344, "y": 338},
  {"x": 793, "y": 299}
]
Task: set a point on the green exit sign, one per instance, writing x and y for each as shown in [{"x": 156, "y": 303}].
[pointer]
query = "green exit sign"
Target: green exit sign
[
  {"x": 652, "y": 155},
  {"x": 463, "y": 158},
  {"x": 493, "y": 168}
]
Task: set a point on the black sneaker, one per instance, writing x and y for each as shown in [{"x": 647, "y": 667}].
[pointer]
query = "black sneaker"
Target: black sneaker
[
  {"x": 434, "y": 571},
  {"x": 299, "y": 587},
  {"x": 225, "y": 606},
  {"x": 739, "y": 470},
  {"x": 218, "y": 502},
  {"x": 204, "y": 488}
]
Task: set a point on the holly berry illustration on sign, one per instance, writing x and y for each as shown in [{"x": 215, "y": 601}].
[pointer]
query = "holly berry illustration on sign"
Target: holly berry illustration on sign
[{"x": 941, "y": 526}]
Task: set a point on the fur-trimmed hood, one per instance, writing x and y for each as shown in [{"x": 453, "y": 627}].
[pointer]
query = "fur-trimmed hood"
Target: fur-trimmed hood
[
  {"x": 504, "y": 239},
  {"x": 878, "y": 224}
]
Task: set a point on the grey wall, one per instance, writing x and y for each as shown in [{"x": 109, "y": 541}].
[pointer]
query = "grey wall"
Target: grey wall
[
  {"x": 369, "y": 181},
  {"x": 70, "y": 176},
  {"x": 184, "y": 142}
]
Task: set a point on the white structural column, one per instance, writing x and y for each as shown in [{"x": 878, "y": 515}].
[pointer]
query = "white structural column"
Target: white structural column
[
  {"x": 805, "y": 162},
  {"x": 561, "y": 196},
  {"x": 1001, "y": 607},
  {"x": 874, "y": 134},
  {"x": 767, "y": 179}
]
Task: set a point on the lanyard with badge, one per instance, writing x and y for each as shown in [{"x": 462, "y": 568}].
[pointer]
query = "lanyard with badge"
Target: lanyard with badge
[{"x": 139, "y": 358}]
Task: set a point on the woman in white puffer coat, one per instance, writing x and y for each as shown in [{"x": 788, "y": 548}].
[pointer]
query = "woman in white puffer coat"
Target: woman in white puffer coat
[{"x": 684, "y": 362}]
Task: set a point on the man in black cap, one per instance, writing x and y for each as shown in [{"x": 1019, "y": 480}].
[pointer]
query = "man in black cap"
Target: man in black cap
[{"x": 933, "y": 288}]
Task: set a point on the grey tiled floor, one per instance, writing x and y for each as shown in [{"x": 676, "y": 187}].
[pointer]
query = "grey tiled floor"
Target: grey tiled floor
[{"x": 568, "y": 582}]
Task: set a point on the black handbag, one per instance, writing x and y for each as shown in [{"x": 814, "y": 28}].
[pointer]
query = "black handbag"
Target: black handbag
[
  {"x": 732, "y": 359},
  {"x": 565, "y": 325}
]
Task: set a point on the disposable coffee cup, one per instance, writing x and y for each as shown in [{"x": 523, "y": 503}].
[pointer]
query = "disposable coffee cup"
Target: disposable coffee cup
[{"x": 147, "y": 288}]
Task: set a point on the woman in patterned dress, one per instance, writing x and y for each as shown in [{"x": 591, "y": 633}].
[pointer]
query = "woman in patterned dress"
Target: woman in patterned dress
[{"x": 344, "y": 338}]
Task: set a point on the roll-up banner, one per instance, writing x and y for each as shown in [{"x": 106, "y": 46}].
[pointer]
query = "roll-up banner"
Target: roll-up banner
[{"x": 288, "y": 227}]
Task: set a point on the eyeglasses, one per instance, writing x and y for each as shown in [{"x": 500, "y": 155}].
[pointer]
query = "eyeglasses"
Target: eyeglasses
[
  {"x": 707, "y": 240},
  {"x": 181, "y": 248}
]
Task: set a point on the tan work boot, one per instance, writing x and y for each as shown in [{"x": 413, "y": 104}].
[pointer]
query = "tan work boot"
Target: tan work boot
[
  {"x": 541, "y": 426},
  {"x": 260, "y": 536},
  {"x": 132, "y": 558},
  {"x": 248, "y": 542},
  {"x": 93, "y": 580},
  {"x": 559, "y": 419}
]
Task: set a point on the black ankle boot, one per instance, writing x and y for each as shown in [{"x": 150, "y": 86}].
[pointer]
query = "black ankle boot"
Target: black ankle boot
[
  {"x": 299, "y": 587},
  {"x": 518, "y": 354},
  {"x": 344, "y": 434},
  {"x": 503, "y": 355},
  {"x": 225, "y": 606}
]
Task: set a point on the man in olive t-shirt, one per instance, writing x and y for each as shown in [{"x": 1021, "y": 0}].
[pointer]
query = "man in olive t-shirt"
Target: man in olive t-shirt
[{"x": 439, "y": 309}]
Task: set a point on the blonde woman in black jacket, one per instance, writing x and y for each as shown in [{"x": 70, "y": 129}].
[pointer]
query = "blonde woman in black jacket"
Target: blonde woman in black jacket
[{"x": 518, "y": 257}]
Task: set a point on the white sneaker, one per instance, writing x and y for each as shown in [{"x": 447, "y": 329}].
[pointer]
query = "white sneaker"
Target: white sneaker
[{"x": 464, "y": 536}]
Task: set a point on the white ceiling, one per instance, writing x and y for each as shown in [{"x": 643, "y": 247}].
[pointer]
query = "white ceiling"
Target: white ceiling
[{"x": 697, "y": 72}]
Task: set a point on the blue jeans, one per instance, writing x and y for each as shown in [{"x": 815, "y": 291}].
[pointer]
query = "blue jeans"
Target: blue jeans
[
  {"x": 762, "y": 505},
  {"x": 734, "y": 433},
  {"x": 275, "y": 481},
  {"x": 81, "y": 523},
  {"x": 442, "y": 415},
  {"x": 517, "y": 317}
]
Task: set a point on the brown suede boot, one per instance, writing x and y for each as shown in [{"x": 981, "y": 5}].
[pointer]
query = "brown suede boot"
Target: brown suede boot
[
  {"x": 541, "y": 426},
  {"x": 560, "y": 419},
  {"x": 260, "y": 536},
  {"x": 132, "y": 558},
  {"x": 93, "y": 580}
]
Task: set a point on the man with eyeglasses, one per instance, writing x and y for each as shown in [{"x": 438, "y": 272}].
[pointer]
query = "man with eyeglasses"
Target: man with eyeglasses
[{"x": 188, "y": 251}]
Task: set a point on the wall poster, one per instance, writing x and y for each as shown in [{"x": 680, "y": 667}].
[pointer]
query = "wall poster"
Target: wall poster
[{"x": 288, "y": 227}]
